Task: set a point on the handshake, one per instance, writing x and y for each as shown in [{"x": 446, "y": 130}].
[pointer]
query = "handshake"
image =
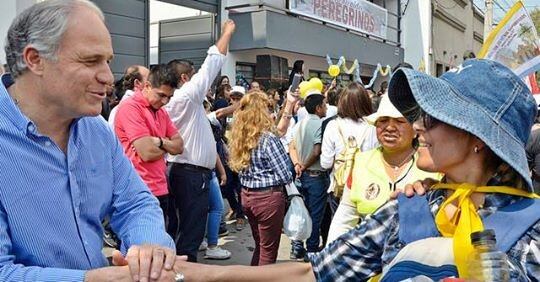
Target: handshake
[{"x": 143, "y": 263}]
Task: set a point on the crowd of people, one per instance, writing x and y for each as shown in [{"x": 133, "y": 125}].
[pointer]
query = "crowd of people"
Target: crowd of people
[{"x": 174, "y": 142}]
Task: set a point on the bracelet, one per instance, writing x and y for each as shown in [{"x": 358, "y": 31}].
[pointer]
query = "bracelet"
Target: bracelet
[{"x": 160, "y": 143}]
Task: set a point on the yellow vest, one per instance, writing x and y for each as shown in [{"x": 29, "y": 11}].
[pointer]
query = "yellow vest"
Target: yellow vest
[{"x": 371, "y": 186}]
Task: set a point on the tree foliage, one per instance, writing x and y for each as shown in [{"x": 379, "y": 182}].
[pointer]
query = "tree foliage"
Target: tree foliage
[{"x": 535, "y": 15}]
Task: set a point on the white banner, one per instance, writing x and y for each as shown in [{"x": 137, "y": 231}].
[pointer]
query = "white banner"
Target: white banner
[
  {"x": 357, "y": 15},
  {"x": 514, "y": 42}
]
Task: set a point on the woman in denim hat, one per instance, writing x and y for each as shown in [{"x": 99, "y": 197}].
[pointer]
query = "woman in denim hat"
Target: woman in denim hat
[{"x": 473, "y": 123}]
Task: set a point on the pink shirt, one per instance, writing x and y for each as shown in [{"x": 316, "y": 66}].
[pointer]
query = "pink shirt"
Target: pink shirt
[{"x": 135, "y": 119}]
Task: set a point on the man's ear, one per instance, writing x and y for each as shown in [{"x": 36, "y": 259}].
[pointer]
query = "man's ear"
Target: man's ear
[
  {"x": 138, "y": 85},
  {"x": 34, "y": 61},
  {"x": 184, "y": 78},
  {"x": 146, "y": 85}
]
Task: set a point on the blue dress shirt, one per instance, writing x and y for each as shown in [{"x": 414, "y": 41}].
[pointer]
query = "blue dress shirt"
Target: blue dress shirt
[{"x": 52, "y": 203}]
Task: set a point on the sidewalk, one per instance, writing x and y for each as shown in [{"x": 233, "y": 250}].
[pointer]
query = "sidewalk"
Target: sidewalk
[{"x": 241, "y": 245}]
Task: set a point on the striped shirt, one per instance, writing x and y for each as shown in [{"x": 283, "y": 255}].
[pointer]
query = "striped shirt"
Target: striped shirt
[
  {"x": 364, "y": 251},
  {"x": 269, "y": 164},
  {"x": 52, "y": 203}
]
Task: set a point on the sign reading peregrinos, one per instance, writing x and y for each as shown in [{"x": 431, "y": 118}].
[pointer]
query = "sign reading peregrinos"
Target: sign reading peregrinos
[{"x": 357, "y": 15}]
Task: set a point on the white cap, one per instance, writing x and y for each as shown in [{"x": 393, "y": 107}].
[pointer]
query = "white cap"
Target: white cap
[
  {"x": 312, "y": 92},
  {"x": 386, "y": 109},
  {"x": 238, "y": 90}
]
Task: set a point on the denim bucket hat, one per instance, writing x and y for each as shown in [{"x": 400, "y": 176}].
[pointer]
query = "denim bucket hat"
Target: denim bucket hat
[{"x": 482, "y": 97}]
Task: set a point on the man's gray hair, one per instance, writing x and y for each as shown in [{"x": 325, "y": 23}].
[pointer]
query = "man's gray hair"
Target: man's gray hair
[{"x": 42, "y": 26}]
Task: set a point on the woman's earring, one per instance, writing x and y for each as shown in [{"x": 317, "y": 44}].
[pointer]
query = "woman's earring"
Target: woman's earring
[{"x": 476, "y": 150}]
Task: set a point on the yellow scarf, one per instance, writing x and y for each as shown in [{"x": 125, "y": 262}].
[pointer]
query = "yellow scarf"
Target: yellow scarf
[{"x": 466, "y": 220}]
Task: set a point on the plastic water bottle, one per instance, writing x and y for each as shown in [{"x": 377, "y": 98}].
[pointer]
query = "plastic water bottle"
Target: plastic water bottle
[{"x": 487, "y": 263}]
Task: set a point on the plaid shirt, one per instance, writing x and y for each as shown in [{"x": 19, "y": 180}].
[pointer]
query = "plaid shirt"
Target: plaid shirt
[
  {"x": 365, "y": 250},
  {"x": 269, "y": 164}
]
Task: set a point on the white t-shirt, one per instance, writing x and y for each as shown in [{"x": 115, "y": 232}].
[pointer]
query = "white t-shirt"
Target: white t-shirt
[{"x": 129, "y": 93}]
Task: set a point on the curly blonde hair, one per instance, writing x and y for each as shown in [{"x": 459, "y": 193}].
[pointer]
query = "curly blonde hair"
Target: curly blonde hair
[{"x": 251, "y": 120}]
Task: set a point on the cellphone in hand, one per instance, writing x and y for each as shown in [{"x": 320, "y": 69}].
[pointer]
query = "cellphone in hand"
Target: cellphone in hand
[{"x": 296, "y": 81}]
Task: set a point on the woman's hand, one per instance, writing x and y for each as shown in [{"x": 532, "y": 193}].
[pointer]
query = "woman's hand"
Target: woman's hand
[{"x": 419, "y": 187}]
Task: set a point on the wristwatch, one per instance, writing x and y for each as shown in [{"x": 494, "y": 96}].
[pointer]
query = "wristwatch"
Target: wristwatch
[
  {"x": 179, "y": 277},
  {"x": 160, "y": 143}
]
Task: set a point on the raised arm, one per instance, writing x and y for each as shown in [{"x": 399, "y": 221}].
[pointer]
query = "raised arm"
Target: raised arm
[
  {"x": 198, "y": 85},
  {"x": 290, "y": 102},
  {"x": 227, "y": 31}
]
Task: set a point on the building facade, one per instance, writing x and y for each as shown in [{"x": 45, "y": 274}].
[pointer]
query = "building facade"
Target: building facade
[
  {"x": 432, "y": 35},
  {"x": 274, "y": 28},
  {"x": 437, "y": 33}
]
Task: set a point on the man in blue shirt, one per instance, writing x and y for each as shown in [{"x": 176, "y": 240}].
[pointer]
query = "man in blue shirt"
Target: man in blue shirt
[{"x": 62, "y": 169}]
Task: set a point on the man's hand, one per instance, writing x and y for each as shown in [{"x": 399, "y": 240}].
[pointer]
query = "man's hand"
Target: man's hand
[
  {"x": 147, "y": 261},
  {"x": 228, "y": 27},
  {"x": 222, "y": 179},
  {"x": 416, "y": 188},
  {"x": 298, "y": 168}
]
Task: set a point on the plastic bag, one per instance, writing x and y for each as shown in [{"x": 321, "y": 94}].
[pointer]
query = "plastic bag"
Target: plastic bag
[{"x": 297, "y": 222}]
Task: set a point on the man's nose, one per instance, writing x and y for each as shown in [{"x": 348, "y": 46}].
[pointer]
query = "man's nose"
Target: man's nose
[{"x": 105, "y": 75}]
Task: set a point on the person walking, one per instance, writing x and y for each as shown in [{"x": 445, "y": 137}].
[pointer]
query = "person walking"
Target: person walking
[{"x": 261, "y": 162}]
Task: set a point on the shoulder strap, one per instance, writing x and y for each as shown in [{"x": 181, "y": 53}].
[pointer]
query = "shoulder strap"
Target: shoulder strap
[
  {"x": 341, "y": 133},
  {"x": 415, "y": 219},
  {"x": 512, "y": 222},
  {"x": 363, "y": 136}
]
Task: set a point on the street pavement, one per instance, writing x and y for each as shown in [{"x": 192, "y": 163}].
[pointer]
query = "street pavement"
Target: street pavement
[{"x": 241, "y": 245}]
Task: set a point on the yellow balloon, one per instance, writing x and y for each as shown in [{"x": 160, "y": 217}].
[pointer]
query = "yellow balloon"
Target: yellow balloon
[
  {"x": 316, "y": 83},
  {"x": 333, "y": 70},
  {"x": 303, "y": 87}
]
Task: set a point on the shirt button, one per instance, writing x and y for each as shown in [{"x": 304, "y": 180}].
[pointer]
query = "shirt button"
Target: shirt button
[
  {"x": 31, "y": 127},
  {"x": 47, "y": 143}
]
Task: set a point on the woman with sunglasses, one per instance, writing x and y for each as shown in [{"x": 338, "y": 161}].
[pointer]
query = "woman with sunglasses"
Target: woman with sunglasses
[{"x": 473, "y": 123}]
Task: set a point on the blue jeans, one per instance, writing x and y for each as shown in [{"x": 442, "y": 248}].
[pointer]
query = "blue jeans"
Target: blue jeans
[
  {"x": 215, "y": 210},
  {"x": 313, "y": 189}
]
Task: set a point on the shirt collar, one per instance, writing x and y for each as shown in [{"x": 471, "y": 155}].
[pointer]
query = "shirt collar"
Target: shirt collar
[
  {"x": 140, "y": 99},
  {"x": 12, "y": 111},
  {"x": 313, "y": 116}
]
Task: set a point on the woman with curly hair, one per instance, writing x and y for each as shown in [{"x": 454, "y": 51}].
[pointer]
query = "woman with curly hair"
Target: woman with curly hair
[{"x": 258, "y": 156}]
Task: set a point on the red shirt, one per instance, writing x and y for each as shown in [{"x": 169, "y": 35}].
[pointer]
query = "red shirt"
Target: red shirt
[{"x": 136, "y": 119}]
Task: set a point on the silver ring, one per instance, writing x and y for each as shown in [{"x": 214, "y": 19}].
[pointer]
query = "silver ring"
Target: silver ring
[{"x": 179, "y": 277}]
